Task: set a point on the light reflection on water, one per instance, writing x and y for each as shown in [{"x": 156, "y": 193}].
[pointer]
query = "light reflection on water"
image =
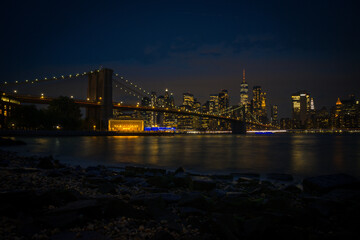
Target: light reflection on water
[{"x": 302, "y": 155}]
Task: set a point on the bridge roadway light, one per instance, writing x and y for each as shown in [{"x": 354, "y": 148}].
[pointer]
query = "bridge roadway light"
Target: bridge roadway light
[
  {"x": 15, "y": 91},
  {"x": 87, "y": 99},
  {"x": 71, "y": 97}
]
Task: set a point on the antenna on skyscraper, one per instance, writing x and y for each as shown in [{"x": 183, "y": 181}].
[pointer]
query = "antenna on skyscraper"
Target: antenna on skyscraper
[{"x": 244, "y": 75}]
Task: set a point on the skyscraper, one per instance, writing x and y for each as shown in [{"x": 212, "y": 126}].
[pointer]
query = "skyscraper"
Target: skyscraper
[
  {"x": 301, "y": 107},
  {"x": 244, "y": 89},
  {"x": 153, "y": 119},
  {"x": 188, "y": 99},
  {"x": 259, "y": 104},
  {"x": 274, "y": 115},
  {"x": 223, "y": 100},
  {"x": 214, "y": 103}
]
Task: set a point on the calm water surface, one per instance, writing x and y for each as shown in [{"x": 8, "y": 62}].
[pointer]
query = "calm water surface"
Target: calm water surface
[{"x": 301, "y": 155}]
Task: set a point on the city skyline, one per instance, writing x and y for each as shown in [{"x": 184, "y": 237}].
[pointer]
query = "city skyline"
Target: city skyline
[{"x": 197, "y": 47}]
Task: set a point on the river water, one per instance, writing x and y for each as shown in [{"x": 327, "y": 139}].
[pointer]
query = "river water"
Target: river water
[{"x": 297, "y": 154}]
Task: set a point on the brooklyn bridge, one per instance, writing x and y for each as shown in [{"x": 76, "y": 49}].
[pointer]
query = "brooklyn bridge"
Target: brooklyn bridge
[{"x": 99, "y": 103}]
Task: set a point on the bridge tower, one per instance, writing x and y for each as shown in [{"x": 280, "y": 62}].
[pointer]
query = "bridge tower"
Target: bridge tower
[{"x": 100, "y": 90}]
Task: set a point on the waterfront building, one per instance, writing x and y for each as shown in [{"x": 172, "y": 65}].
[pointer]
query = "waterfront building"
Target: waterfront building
[
  {"x": 126, "y": 125},
  {"x": 322, "y": 119},
  {"x": 286, "y": 123},
  {"x": 7, "y": 107},
  {"x": 346, "y": 113},
  {"x": 244, "y": 92},
  {"x": 185, "y": 122}
]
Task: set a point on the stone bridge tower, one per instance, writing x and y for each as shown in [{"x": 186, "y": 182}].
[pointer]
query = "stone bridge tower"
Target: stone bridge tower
[{"x": 100, "y": 90}]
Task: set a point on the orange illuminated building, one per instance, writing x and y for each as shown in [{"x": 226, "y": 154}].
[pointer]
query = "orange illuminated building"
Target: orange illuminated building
[{"x": 126, "y": 125}]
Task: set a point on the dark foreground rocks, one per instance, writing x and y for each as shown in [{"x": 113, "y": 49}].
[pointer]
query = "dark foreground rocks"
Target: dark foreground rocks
[{"x": 43, "y": 199}]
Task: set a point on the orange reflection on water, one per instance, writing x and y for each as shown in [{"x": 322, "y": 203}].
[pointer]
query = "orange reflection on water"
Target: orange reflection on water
[{"x": 302, "y": 154}]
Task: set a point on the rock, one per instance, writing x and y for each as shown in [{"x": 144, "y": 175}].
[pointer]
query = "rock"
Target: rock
[
  {"x": 222, "y": 177},
  {"x": 107, "y": 188},
  {"x": 144, "y": 198},
  {"x": 46, "y": 163},
  {"x": 195, "y": 200},
  {"x": 116, "y": 179},
  {"x": 190, "y": 211},
  {"x": 154, "y": 172},
  {"x": 235, "y": 195},
  {"x": 327, "y": 183},
  {"x": 280, "y": 177},
  {"x": 179, "y": 170},
  {"x": 134, "y": 181},
  {"x": 254, "y": 176},
  {"x": 161, "y": 181},
  {"x": 58, "y": 197},
  {"x": 201, "y": 183},
  {"x": 181, "y": 180}
]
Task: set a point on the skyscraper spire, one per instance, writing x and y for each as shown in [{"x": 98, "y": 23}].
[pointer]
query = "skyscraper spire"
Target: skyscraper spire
[
  {"x": 244, "y": 75},
  {"x": 244, "y": 88}
]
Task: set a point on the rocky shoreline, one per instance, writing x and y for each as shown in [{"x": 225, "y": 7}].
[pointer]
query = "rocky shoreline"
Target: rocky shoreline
[{"x": 44, "y": 199}]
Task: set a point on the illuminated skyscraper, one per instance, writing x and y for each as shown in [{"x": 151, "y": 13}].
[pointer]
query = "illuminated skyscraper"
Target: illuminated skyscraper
[
  {"x": 188, "y": 99},
  {"x": 214, "y": 103},
  {"x": 301, "y": 107},
  {"x": 259, "y": 104},
  {"x": 274, "y": 115},
  {"x": 244, "y": 89},
  {"x": 223, "y": 100},
  {"x": 153, "y": 119}
]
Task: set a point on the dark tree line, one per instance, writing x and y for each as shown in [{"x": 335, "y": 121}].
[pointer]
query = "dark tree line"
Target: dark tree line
[{"x": 62, "y": 113}]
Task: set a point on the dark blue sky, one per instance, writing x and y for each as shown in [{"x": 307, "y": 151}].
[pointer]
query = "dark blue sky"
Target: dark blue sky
[{"x": 196, "y": 46}]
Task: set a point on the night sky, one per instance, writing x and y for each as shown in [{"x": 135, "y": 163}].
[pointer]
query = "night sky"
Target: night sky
[{"x": 195, "y": 46}]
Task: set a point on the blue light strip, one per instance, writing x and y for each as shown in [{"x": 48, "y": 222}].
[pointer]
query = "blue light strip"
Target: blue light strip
[{"x": 159, "y": 129}]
